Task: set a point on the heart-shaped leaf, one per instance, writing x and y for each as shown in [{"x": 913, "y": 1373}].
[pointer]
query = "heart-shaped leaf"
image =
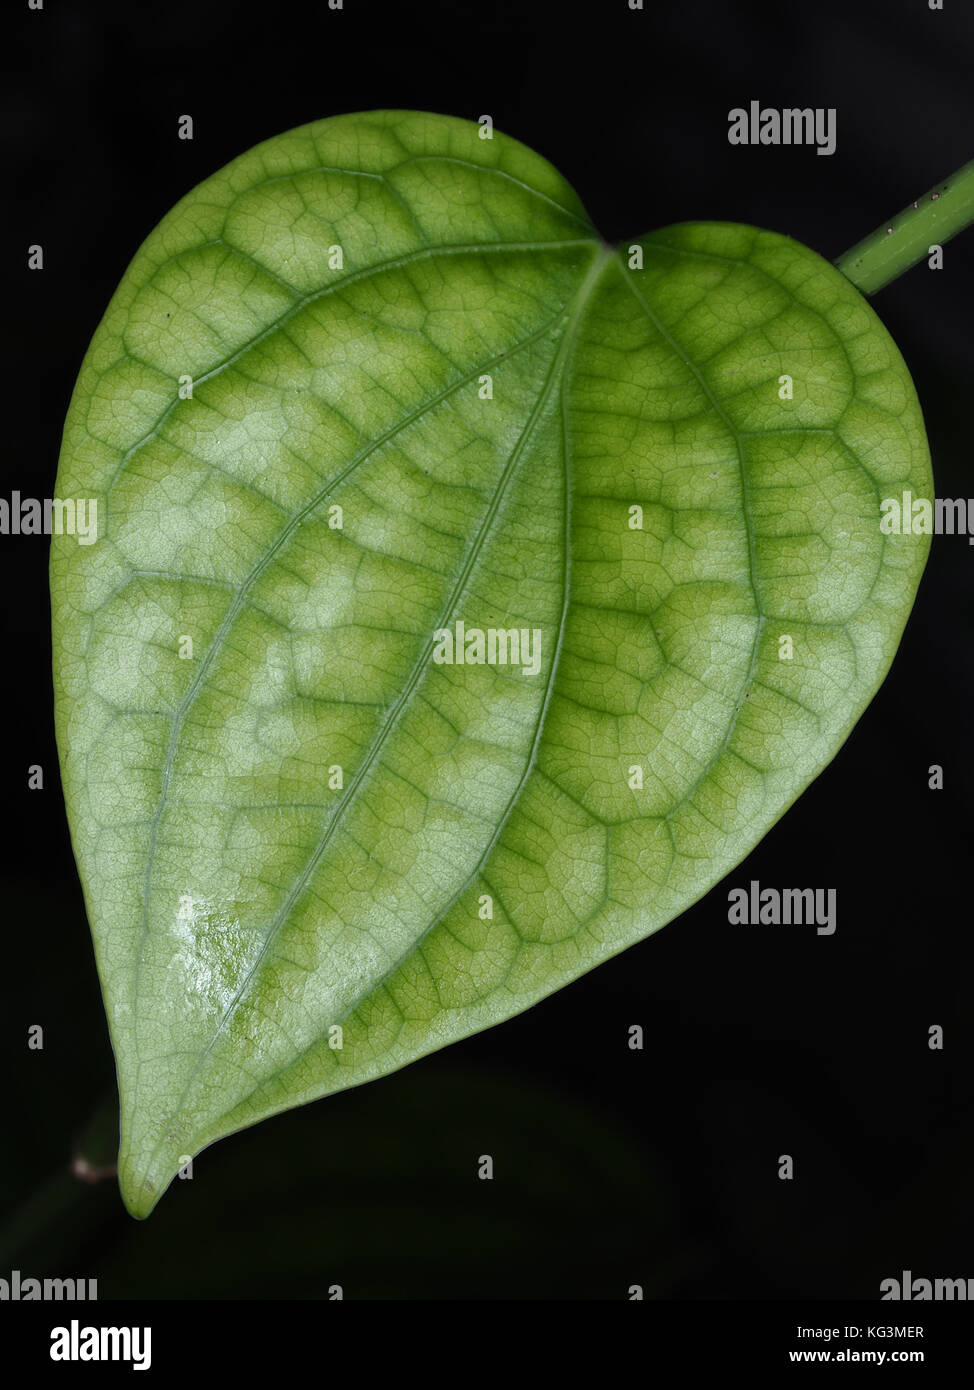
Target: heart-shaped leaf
[{"x": 376, "y": 379}]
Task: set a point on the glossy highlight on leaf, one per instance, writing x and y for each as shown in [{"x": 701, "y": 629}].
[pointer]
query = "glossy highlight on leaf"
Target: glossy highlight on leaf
[{"x": 377, "y": 378}]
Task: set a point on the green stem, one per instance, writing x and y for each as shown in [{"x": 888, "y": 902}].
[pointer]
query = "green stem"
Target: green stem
[{"x": 898, "y": 244}]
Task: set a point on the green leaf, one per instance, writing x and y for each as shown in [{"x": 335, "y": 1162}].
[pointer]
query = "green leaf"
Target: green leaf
[{"x": 305, "y": 822}]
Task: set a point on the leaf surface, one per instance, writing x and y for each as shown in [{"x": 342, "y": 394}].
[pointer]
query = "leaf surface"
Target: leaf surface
[{"x": 296, "y": 825}]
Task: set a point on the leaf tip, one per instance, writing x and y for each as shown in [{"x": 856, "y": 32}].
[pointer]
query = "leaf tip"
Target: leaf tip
[
  {"x": 140, "y": 1198},
  {"x": 141, "y": 1189}
]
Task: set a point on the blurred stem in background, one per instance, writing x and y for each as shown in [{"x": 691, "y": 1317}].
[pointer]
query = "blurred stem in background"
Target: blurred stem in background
[{"x": 66, "y": 1200}]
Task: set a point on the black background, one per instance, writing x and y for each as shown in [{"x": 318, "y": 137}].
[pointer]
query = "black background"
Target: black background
[{"x": 613, "y": 1167}]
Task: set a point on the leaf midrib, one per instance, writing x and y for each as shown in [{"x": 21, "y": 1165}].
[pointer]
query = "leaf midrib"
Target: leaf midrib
[
  {"x": 242, "y": 591},
  {"x": 572, "y": 314}
]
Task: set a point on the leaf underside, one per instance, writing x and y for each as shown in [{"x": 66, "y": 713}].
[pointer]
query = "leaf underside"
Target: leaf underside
[{"x": 304, "y": 821}]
